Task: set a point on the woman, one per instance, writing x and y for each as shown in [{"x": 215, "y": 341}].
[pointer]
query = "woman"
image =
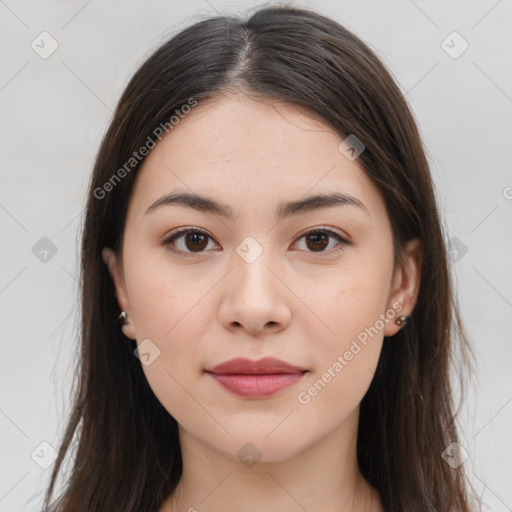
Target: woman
[{"x": 262, "y": 221}]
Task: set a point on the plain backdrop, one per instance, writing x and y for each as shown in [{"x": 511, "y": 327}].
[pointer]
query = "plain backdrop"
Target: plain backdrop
[{"x": 55, "y": 109}]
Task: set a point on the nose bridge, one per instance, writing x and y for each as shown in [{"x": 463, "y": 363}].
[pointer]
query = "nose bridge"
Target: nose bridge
[{"x": 252, "y": 263}]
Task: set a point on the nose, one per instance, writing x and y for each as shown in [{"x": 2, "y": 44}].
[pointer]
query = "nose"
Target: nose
[{"x": 255, "y": 298}]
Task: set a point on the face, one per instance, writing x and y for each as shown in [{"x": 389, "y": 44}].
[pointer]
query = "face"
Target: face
[{"x": 311, "y": 283}]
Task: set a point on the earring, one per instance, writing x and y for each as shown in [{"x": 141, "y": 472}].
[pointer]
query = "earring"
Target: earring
[
  {"x": 401, "y": 320},
  {"x": 122, "y": 317}
]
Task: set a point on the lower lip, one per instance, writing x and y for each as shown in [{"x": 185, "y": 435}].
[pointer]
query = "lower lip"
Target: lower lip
[{"x": 257, "y": 385}]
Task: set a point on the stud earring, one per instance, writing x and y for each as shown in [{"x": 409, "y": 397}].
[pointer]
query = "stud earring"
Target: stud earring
[
  {"x": 401, "y": 320},
  {"x": 122, "y": 317}
]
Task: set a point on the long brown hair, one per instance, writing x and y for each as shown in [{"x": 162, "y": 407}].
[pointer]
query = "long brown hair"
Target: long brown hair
[{"x": 126, "y": 453}]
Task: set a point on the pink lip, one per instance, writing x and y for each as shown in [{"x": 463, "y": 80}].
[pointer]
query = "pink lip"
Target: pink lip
[
  {"x": 257, "y": 385},
  {"x": 261, "y": 378},
  {"x": 267, "y": 365}
]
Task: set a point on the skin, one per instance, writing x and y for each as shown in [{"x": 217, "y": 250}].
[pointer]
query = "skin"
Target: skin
[{"x": 296, "y": 302}]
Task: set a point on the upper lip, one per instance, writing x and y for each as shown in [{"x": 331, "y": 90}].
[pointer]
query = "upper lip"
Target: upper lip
[{"x": 265, "y": 366}]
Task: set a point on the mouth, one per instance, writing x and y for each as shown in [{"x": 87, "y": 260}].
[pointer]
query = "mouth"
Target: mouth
[{"x": 256, "y": 379}]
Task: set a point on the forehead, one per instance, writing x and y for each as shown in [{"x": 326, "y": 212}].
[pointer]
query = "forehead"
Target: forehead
[
  {"x": 253, "y": 131},
  {"x": 250, "y": 153}
]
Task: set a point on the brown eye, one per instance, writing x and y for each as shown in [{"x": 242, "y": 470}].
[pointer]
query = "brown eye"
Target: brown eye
[
  {"x": 188, "y": 241},
  {"x": 195, "y": 241},
  {"x": 318, "y": 240}
]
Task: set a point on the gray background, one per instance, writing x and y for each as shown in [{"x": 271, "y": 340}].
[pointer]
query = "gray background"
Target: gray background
[{"x": 55, "y": 110}]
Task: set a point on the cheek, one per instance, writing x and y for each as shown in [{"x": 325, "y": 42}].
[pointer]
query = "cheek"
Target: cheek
[
  {"x": 353, "y": 307},
  {"x": 356, "y": 299},
  {"x": 170, "y": 316},
  {"x": 164, "y": 299},
  {"x": 346, "y": 358},
  {"x": 167, "y": 309}
]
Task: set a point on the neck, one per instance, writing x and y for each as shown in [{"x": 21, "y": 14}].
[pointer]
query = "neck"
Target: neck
[{"x": 323, "y": 478}]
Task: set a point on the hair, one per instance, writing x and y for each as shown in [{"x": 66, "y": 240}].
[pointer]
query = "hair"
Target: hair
[{"x": 126, "y": 454}]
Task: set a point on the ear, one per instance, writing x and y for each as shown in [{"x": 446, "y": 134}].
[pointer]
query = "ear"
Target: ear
[
  {"x": 406, "y": 284},
  {"x": 112, "y": 261}
]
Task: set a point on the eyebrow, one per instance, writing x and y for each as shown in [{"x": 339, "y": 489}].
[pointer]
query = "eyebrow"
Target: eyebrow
[{"x": 285, "y": 209}]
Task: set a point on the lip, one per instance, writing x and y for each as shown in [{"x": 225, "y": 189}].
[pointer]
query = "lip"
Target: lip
[
  {"x": 256, "y": 379},
  {"x": 265, "y": 366}
]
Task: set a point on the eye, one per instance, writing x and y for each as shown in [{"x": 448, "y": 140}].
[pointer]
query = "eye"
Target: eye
[
  {"x": 191, "y": 241},
  {"x": 188, "y": 241},
  {"x": 317, "y": 240}
]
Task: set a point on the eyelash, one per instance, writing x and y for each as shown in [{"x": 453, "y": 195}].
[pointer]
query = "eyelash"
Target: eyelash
[{"x": 168, "y": 241}]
